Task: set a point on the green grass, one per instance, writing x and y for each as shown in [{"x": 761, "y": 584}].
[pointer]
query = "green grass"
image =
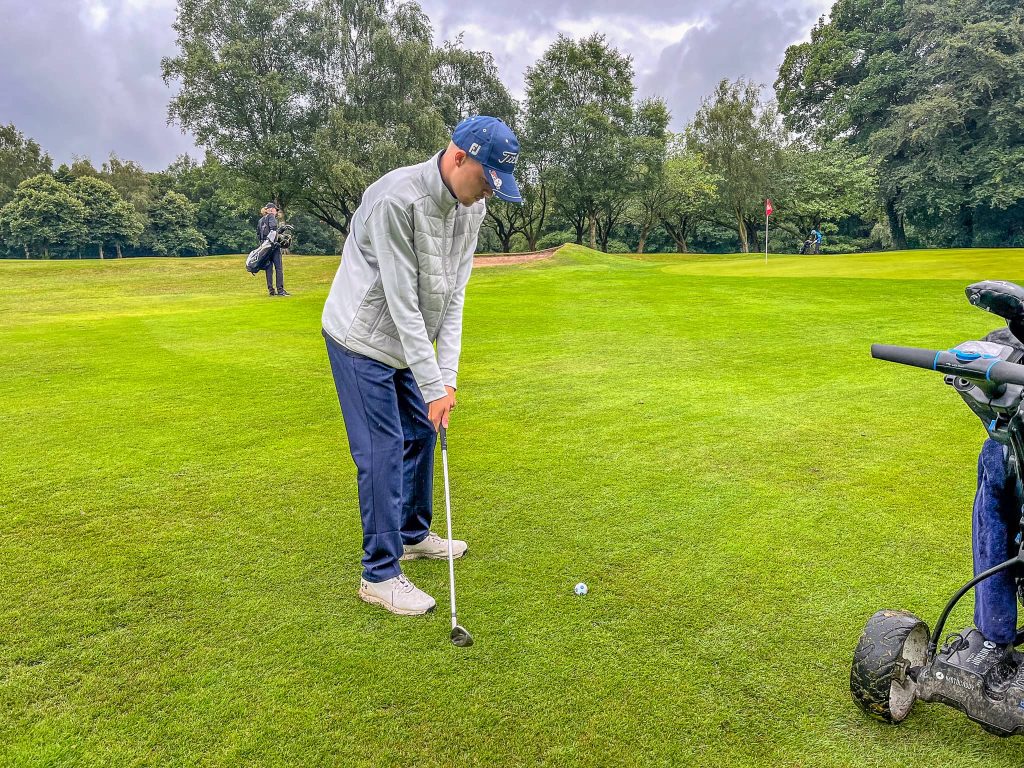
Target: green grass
[{"x": 703, "y": 440}]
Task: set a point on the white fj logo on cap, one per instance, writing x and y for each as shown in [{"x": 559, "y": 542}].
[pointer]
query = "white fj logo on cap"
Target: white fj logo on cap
[{"x": 474, "y": 149}]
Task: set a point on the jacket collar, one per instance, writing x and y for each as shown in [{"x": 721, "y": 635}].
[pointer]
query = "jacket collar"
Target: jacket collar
[{"x": 436, "y": 188}]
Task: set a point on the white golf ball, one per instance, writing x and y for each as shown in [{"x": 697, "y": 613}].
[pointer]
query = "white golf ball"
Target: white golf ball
[{"x": 580, "y": 589}]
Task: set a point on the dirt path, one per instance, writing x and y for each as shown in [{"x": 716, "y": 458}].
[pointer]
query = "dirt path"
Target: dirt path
[{"x": 501, "y": 259}]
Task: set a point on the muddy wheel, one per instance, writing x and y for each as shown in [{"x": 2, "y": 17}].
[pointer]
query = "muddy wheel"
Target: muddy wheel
[{"x": 892, "y": 643}]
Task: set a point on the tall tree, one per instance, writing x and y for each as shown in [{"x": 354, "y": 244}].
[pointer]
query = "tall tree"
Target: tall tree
[
  {"x": 741, "y": 139},
  {"x": 467, "y": 83},
  {"x": 310, "y": 101},
  {"x": 44, "y": 215},
  {"x": 172, "y": 228},
  {"x": 679, "y": 193},
  {"x": 379, "y": 102},
  {"x": 821, "y": 187},
  {"x": 645, "y": 150},
  {"x": 954, "y": 147},
  {"x": 246, "y": 86},
  {"x": 20, "y": 158},
  {"x": 392, "y": 100},
  {"x": 845, "y": 82},
  {"x": 224, "y": 212},
  {"x": 109, "y": 219},
  {"x": 132, "y": 182},
  {"x": 579, "y": 116},
  {"x": 691, "y": 191}
]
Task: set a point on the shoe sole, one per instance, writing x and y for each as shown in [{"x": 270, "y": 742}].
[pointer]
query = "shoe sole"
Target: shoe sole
[
  {"x": 390, "y": 607},
  {"x": 426, "y": 556}
]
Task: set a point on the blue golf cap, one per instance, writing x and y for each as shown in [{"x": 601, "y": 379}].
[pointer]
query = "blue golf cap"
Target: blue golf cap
[{"x": 492, "y": 144}]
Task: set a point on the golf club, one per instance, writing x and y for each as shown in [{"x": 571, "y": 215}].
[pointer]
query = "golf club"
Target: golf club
[{"x": 460, "y": 636}]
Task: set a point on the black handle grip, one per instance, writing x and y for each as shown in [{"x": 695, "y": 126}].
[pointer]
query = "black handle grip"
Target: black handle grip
[
  {"x": 920, "y": 358},
  {"x": 444, "y": 439},
  {"x": 1007, "y": 373},
  {"x": 945, "y": 361}
]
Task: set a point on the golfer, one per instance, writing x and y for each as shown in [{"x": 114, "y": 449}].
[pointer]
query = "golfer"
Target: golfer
[
  {"x": 399, "y": 290},
  {"x": 267, "y": 229}
]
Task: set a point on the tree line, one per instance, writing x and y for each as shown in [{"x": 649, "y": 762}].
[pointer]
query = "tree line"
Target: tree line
[
  {"x": 120, "y": 209},
  {"x": 898, "y": 124}
]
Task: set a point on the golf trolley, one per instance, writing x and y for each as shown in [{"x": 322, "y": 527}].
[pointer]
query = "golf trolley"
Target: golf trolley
[{"x": 897, "y": 660}]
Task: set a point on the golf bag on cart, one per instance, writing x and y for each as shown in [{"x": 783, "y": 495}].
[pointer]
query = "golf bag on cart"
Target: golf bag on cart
[{"x": 898, "y": 660}]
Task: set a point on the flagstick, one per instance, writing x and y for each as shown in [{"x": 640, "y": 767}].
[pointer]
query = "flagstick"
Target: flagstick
[{"x": 766, "y": 237}]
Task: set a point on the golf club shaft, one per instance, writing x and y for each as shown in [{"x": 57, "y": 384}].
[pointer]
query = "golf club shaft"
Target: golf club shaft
[{"x": 448, "y": 510}]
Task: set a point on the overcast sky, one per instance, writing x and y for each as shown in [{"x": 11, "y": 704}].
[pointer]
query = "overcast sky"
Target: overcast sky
[{"x": 82, "y": 77}]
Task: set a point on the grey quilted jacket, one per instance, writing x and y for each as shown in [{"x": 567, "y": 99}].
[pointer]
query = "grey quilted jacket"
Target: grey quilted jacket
[{"x": 402, "y": 281}]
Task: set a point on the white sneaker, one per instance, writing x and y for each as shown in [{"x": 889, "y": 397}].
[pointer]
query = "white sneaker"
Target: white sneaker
[
  {"x": 434, "y": 548},
  {"x": 398, "y": 595}
]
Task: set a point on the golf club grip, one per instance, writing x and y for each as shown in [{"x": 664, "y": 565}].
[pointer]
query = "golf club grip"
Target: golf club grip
[
  {"x": 444, "y": 439},
  {"x": 919, "y": 358}
]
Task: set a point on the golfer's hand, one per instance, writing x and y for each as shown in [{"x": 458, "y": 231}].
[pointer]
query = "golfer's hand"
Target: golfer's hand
[{"x": 439, "y": 409}]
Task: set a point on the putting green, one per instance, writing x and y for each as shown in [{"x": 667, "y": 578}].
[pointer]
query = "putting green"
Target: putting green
[{"x": 704, "y": 441}]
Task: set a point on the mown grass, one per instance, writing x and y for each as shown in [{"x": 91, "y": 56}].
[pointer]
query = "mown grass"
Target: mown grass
[{"x": 703, "y": 440}]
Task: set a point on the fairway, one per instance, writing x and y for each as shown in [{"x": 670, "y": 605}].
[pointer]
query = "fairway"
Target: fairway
[{"x": 705, "y": 441}]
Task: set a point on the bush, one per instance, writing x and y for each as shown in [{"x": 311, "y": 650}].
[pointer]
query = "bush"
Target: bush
[
  {"x": 555, "y": 239},
  {"x": 880, "y": 237}
]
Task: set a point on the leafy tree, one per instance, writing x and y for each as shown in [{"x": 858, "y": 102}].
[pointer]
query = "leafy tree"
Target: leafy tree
[
  {"x": 109, "y": 219},
  {"x": 953, "y": 148},
  {"x": 682, "y": 192},
  {"x": 172, "y": 227},
  {"x": 225, "y": 214},
  {"x": 645, "y": 149},
  {"x": 132, "y": 182},
  {"x": 20, "y": 158},
  {"x": 312, "y": 235},
  {"x": 579, "y": 120},
  {"x": 380, "y": 103},
  {"x": 845, "y": 82},
  {"x": 467, "y": 83},
  {"x": 741, "y": 139},
  {"x": 822, "y": 187},
  {"x": 44, "y": 215},
  {"x": 246, "y": 85}
]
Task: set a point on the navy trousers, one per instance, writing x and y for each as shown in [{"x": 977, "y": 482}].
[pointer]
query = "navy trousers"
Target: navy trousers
[
  {"x": 392, "y": 442},
  {"x": 996, "y": 523},
  {"x": 275, "y": 262}
]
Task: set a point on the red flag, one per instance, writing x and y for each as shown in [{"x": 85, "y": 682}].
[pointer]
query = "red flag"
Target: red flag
[{"x": 768, "y": 210}]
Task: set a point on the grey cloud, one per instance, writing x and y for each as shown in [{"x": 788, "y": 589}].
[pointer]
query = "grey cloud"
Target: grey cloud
[
  {"x": 88, "y": 92},
  {"x": 734, "y": 38},
  {"x": 79, "y": 90},
  {"x": 744, "y": 39}
]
